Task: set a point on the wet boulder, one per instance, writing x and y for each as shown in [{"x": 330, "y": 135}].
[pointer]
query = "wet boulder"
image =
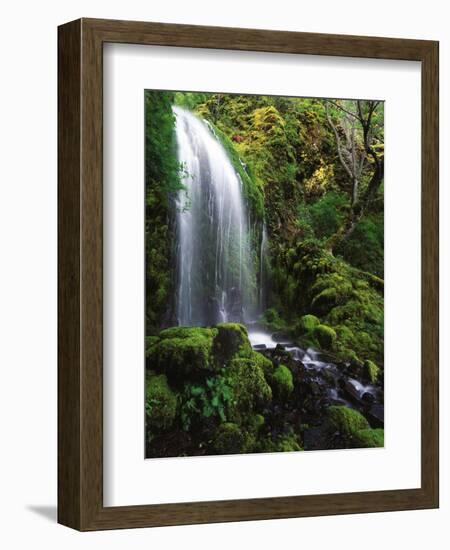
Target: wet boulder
[
  {"x": 183, "y": 351},
  {"x": 231, "y": 339},
  {"x": 345, "y": 421}
]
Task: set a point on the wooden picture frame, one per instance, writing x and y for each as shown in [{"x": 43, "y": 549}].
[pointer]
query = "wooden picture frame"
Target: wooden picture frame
[{"x": 80, "y": 271}]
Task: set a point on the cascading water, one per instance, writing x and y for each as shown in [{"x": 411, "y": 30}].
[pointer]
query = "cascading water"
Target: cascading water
[
  {"x": 216, "y": 277},
  {"x": 263, "y": 256}
]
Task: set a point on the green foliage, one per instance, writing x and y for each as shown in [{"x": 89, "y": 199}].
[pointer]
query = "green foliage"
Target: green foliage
[
  {"x": 369, "y": 438},
  {"x": 160, "y": 403},
  {"x": 162, "y": 181},
  {"x": 271, "y": 319},
  {"x": 346, "y": 421},
  {"x": 220, "y": 379},
  {"x": 364, "y": 249},
  {"x": 282, "y": 382},
  {"x": 190, "y": 100},
  {"x": 206, "y": 401},
  {"x": 327, "y": 214}
]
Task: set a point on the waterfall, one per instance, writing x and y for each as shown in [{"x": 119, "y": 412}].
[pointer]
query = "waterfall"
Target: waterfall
[
  {"x": 216, "y": 276},
  {"x": 262, "y": 268}
]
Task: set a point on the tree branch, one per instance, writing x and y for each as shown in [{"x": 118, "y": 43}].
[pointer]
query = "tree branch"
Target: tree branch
[{"x": 338, "y": 141}]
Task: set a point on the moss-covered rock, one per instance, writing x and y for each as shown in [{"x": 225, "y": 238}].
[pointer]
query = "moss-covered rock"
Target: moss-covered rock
[
  {"x": 369, "y": 438},
  {"x": 371, "y": 371},
  {"x": 306, "y": 324},
  {"x": 282, "y": 382},
  {"x": 183, "y": 351},
  {"x": 160, "y": 403},
  {"x": 150, "y": 342},
  {"x": 346, "y": 421},
  {"x": 325, "y": 335},
  {"x": 330, "y": 290},
  {"x": 231, "y": 340},
  {"x": 228, "y": 439},
  {"x": 263, "y": 363},
  {"x": 283, "y": 443},
  {"x": 187, "y": 332},
  {"x": 255, "y": 422},
  {"x": 250, "y": 390},
  {"x": 288, "y": 444}
]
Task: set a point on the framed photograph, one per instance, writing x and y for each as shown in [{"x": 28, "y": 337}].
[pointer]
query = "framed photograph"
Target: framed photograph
[{"x": 248, "y": 274}]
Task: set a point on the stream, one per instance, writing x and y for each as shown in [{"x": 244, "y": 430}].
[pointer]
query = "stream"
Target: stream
[{"x": 325, "y": 380}]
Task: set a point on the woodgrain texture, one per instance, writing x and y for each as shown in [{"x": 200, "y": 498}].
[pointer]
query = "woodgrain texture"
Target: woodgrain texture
[{"x": 80, "y": 341}]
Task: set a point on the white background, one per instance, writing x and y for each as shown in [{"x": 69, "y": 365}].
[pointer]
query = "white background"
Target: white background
[
  {"x": 28, "y": 273},
  {"x": 128, "y": 479}
]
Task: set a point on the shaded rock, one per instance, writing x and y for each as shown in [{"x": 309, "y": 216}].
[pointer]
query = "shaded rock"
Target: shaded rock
[
  {"x": 376, "y": 415},
  {"x": 259, "y": 347}
]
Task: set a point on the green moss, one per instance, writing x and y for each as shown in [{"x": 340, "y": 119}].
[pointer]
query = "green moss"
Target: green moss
[
  {"x": 284, "y": 443},
  {"x": 371, "y": 371},
  {"x": 330, "y": 290},
  {"x": 306, "y": 324},
  {"x": 162, "y": 182},
  {"x": 325, "y": 335},
  {"x": 252, "y": 186},
  {"x": 160, "y": 403},
  {"x": 346, "y": 421},
  {"x": 187, "y": 332},
  {"x": 255, "y": 423},
  {"x": 347, "y": 300},
  {"x": 250, "y": 391},
  {"x": 150, "y": 343},
  {"x": 282, "y": 382},
  {"x": 263, "y": 363},
  {"x": 369, "y": 438},
  {"x": 288, "y": 444},
  {"x": 187, "y": 353},
  {"x": 364, "y": 248},
  {"x": 228, "y": 439}
]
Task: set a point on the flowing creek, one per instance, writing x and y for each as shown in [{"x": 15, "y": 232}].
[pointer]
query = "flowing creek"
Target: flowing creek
[{"x": 332, "y": 383}]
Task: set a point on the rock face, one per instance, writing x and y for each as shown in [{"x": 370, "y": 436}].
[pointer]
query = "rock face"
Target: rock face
[{"x": 209, "y": 392}]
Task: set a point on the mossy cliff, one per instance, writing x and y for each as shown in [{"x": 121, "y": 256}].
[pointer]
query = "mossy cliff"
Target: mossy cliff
[{"x": 332, "y": 305}]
